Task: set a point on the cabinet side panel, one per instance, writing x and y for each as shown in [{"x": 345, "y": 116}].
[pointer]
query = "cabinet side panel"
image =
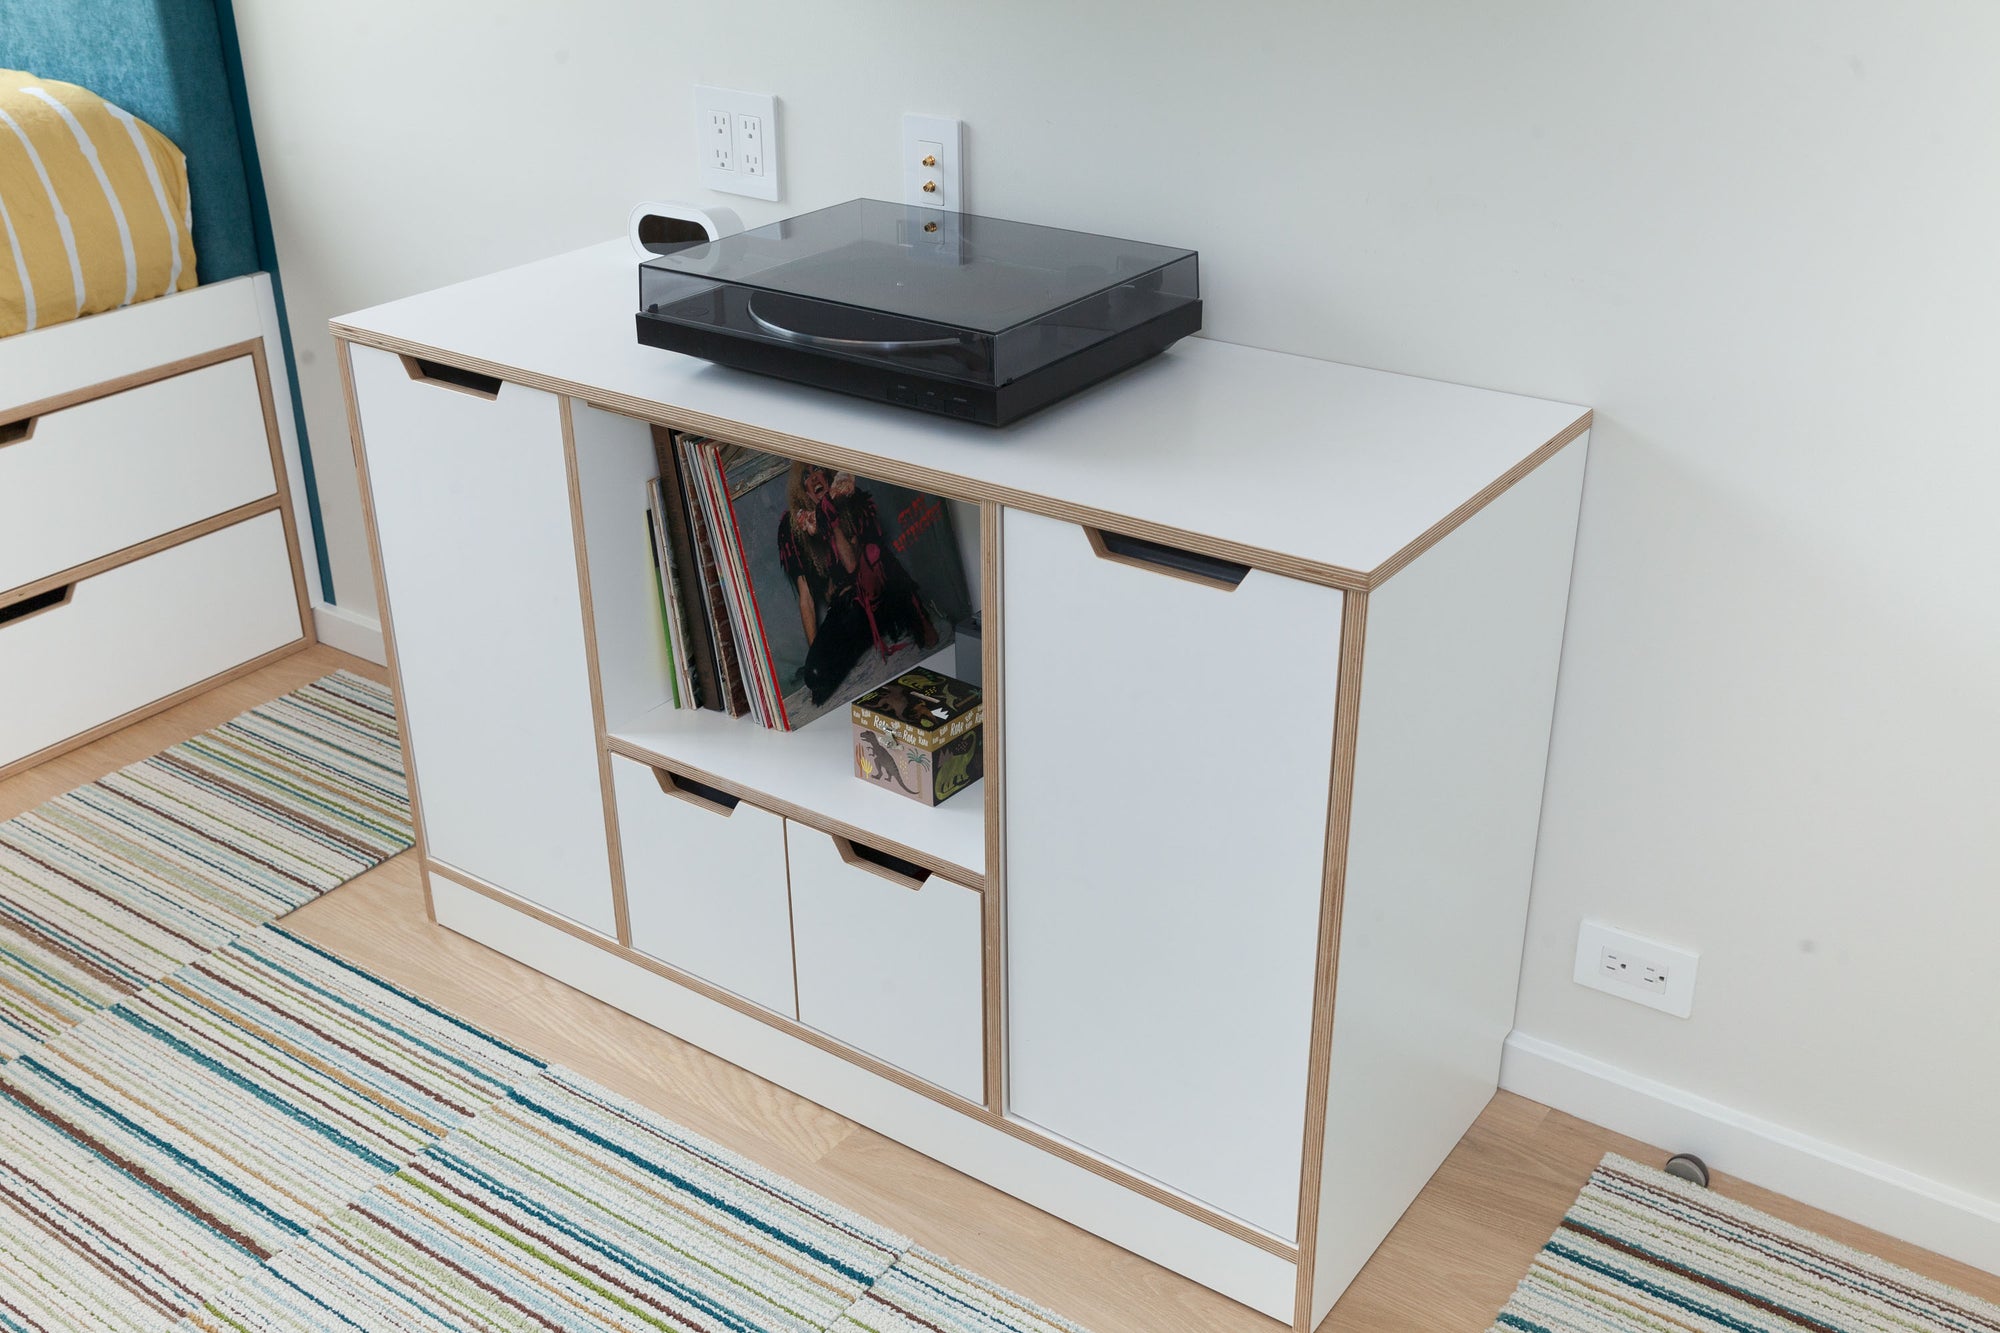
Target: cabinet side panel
[
  {"x": 471, "y": 502},
  {"x": 1458, "y": 691}
]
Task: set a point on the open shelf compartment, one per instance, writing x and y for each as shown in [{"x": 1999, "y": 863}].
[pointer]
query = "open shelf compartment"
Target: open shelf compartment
[{"x": 806, "y": 775}]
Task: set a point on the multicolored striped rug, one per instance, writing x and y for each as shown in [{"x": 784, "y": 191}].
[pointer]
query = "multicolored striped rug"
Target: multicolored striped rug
[
  {"x": 1643, "y": 1252},
  {"x": 209, "y": 1123},
  {"x": 116, "y": 884}
]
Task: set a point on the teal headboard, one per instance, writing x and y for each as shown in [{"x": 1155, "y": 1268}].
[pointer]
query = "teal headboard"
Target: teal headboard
[{"x": 163, "y": 61}]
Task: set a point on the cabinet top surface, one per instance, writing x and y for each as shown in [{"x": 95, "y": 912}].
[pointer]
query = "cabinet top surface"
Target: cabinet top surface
[{"x": 1327, "y": 467}]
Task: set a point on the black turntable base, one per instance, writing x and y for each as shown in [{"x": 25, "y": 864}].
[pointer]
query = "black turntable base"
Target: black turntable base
[{"x": 966, "y": 316}]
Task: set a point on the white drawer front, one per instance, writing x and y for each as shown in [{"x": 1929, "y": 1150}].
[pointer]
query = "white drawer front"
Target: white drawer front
[
  {"x": 705, "y": 886},
  {"x": 1169, "y": 748},
  {"x": 110, "y": 473},
  {"x": 471, "y": 503},
  {"x": 140, "y": 632},
  {"x": 889, "y": 969}
]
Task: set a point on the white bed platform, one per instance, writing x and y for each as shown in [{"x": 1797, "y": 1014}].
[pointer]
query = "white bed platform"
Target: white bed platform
[{"x": 154, "y": 537}]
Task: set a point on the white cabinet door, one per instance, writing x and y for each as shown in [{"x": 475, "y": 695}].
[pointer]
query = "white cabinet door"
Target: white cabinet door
[
  {"x": 1169, "y": 750},
  {"x": 889, "y": 959},
  {"x": 471, "y": 503},
  {"x": 705, "y": 885}
]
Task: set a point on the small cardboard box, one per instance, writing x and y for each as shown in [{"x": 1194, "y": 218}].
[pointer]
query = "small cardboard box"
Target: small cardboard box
[{"x": 919, "y": 736}]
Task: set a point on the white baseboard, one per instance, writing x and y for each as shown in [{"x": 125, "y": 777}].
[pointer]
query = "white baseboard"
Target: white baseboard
[
  {"x": 1862, "y": 1189},
  {"x": 350, "y": 632}
]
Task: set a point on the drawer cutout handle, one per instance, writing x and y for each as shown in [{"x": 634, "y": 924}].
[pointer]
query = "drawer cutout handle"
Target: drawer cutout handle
[
  {"x": 712, "y": 799},
  {"x": 35, "y": 605},
  {"x": 906, "y": 874},
  {"x": 15, "y": 432},
  {"x": 452, "y": 377},
  {"x": 1208, "y": 570}
]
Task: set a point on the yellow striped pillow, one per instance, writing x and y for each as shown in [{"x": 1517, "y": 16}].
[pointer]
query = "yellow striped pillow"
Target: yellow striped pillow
[{"x": 93, "y": 206}]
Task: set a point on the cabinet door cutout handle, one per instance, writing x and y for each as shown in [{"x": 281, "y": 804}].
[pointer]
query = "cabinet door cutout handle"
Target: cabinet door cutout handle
[
  {"x": 1208, "y": 570},
  {"x": 888, "y": 865},
  {"x": 712, "y": 799},
  {"x": 14, "y": 432},
  {"x": 452, "y": 377},
  {"x": 16, "y": 612}
]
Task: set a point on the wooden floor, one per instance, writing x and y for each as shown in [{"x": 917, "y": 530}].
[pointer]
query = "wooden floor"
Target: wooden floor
[{"x": 1447, "y": 1268}]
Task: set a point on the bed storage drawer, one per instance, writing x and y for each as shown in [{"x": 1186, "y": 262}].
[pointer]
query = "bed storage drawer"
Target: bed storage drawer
[
  {"x": 705, "y": 883},
  {"x": 129, "y": 637},
  {"x": 888, "y": 960},
  {"x": 88, "y": 480}
]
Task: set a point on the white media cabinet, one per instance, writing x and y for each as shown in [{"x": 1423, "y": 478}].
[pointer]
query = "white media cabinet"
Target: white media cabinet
[{"x": 1218, "y": 959}]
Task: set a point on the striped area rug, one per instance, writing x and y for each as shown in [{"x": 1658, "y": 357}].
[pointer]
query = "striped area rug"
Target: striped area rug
[
  {"x": 116, "y": 884},
  {"x": 209, "y": 1123},
  {"x": 1643, "y": 1252},
  {"x": 271, "y": 1139}
]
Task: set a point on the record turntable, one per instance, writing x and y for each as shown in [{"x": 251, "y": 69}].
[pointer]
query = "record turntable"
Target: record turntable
[{"x": 967, "y": 316}]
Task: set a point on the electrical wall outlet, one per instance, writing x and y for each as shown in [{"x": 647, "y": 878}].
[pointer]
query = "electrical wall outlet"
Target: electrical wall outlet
[
  {"x": 737, "y": 138},
  {"x": 1660, "y": 976},
  {"x": 750, "y": 143},
  {"x": 718, "y": 138}
]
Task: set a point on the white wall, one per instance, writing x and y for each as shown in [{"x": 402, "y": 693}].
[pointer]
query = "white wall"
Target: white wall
[{"x": 1758, "y": 237}]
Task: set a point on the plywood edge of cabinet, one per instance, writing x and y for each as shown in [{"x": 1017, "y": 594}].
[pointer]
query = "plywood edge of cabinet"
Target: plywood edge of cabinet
[
  {"x": 1319, "y": 1059},
  {"x": 342, "y": 357},
  {"x": 465, "y": 879},
  {"x": 951, "y": 870},
  {"x": 621, "y": 913},
  {"x": 947, "y": 484},
  {"x": 415, "y": 368},
  {"x": 1450, "y": 522},
  {"x": 160, "y": 705},
  {"x": 136, "y": 379},
  {"x": 992, "y": 692},
  {"x": 973, "y": 1110},
  {"x": 1141, "y": 1185},
  {"x": 104, "y": 564},
  {"x": 282, "y": 480},
  {"x": 682, "y": 788}
]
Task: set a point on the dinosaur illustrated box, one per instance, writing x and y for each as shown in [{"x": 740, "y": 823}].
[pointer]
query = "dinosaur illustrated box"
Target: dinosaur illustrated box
[{"x": 919, "y": 736}]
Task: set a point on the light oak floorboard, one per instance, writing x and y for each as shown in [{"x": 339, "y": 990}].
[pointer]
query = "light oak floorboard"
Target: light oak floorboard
[{"x": 1447, "y": 1268}]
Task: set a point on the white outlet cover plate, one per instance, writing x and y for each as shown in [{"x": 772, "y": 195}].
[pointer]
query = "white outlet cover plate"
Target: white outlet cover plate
[
  {"x": 735, "y": 180},
  {"x": 1680, "y": 964},
  {"x": 944, "y": 138}
]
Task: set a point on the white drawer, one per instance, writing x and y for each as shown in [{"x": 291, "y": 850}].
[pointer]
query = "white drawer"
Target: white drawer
[
  {"x": 133, "y": 635},
  {"x": 705, "y": 883},
  {"x": 115, "y": 471},
  {"x": 888, "y": 962}
]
